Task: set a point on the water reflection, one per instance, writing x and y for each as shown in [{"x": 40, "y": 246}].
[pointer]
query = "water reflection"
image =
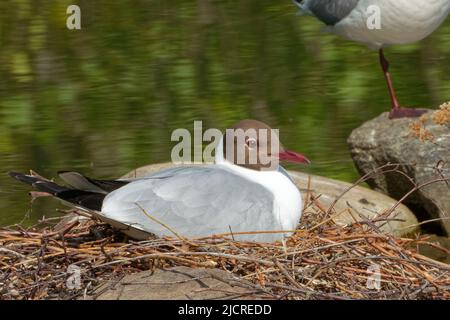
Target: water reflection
[{"x": 105, "y": 99}]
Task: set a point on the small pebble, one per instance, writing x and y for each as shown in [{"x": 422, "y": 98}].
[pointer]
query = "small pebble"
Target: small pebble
[{"x": 14, "y": 293}]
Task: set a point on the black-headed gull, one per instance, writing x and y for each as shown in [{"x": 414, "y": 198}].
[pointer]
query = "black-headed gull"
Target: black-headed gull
[
  {"x": 400, "y": 22},
  {"x": 196, "y": 201}
]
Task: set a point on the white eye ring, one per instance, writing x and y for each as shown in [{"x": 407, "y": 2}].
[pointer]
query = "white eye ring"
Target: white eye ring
[{"x": 251, "y": 143}]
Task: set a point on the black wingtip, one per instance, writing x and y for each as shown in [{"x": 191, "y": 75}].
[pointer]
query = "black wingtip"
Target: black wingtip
[
  {"x": 16, "y": 175},
  {"x": 86, "y": 199},
  {"x": 28, "y": 179}
]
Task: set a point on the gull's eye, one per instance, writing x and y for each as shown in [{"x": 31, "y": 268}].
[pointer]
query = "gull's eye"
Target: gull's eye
[{"x": 251, "y": 143}]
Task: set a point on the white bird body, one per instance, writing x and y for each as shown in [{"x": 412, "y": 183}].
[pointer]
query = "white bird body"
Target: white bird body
[
  {"x": 287, "y": 204},
  {"x": 287, "y": 201},
  {"x": 402, "y": 21},
  {"x": 202, "y": 201}
]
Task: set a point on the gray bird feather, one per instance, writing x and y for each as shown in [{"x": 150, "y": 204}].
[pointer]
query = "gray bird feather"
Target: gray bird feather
[
  {"x": 195, "y": 202},
  {"x": 328, "y": 11}
]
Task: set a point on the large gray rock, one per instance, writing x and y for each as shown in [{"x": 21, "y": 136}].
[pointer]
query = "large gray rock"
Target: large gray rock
[
  {"x": 362, "y": 200},
  {"x": 178, "y": 283},
  {"x": 381, "y": 141}
]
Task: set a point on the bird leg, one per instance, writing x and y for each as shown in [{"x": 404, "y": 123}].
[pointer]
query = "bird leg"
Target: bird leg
[{"x": 396, "y": 110}]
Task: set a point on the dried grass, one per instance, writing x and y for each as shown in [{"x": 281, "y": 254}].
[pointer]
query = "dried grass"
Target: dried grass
[
  {"x": 419, "y": 130},
  {"x": 320, "y": 261}
]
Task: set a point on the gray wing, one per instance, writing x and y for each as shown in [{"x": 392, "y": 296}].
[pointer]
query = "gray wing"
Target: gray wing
[
  {"x": 195, "y": 202},
  {"x": 331, "y": 11}
]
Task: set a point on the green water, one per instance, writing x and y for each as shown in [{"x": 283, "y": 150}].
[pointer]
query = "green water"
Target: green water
[{"x": 105, "y": 99}]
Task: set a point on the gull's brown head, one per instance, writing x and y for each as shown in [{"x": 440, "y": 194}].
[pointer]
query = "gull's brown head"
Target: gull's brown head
[{"x": 254, "y": 145}]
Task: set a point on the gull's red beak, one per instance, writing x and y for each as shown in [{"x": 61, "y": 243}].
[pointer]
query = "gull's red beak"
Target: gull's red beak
[{"x": 292, "y": 156}]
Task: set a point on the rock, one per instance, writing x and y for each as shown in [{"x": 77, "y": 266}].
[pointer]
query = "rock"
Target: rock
[
  {"x": 363, "y": 200},
  {"x": 367, "y": 202},
  {"x": 178, "y": 283},
  {"x": 381, "y": 141},
  {"x": 434, "y": 252}
]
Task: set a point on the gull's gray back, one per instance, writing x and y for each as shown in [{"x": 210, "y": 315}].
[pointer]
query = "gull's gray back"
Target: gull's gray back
[
  {"x": 331, "y": 11},
  {"x": 195, "y": 202}
]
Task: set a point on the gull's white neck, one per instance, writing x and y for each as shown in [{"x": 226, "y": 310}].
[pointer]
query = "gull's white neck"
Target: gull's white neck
[{"x": 287, "y": 198}]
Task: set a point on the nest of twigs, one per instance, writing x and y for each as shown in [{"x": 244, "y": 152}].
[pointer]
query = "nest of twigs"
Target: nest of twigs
[{"x": 320, "y": 261}]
